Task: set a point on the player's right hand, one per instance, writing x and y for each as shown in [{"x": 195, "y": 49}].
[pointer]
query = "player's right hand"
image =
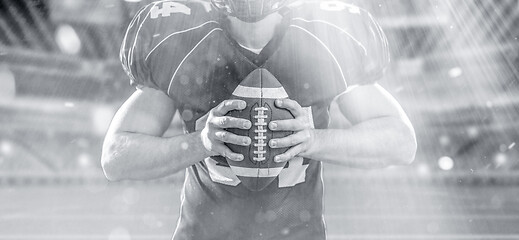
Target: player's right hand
[{"x": 214, "y": 136}]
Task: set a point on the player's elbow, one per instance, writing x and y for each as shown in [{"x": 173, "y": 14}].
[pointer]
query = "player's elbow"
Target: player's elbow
[
  {"x": 110, "y": 162},
  {"x": 111, "y": 171},
  {"x": 405, "y": 144},
  {"x": 408, "y": 152}
]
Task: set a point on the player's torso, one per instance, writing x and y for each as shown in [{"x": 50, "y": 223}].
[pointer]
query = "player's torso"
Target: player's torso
[
  {"x": 193, "y": 59},
  {"x": 200, "y": 65}
]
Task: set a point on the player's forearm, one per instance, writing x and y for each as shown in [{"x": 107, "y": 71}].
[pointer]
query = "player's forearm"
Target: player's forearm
[
  {"x": 139, "y": 157},
  {"x": 371, "y": 144}
]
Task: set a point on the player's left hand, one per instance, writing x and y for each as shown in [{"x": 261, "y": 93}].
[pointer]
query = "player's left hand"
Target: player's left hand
[{"x": 303, "y": 135}]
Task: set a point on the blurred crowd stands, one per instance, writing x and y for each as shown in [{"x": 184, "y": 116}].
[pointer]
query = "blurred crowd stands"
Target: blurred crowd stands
[{"x": 455, "y": 71}]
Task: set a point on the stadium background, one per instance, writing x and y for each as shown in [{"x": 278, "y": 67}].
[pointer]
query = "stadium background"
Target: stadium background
[{"x": 454, "y": 70}]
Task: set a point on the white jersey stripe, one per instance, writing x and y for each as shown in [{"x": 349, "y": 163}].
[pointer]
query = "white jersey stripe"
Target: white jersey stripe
[
  {"x": 338, "y": 28},
  {"x": 175, "y": 33},
  {"x": 125, "y": 57},
  {"x": 252, "y": 92},
  {"x": 130, "y": 54},
  {"x": 256, "y": 172},
  {"x": 187, "y": 55},
  {"x": 327, "y": 49}
]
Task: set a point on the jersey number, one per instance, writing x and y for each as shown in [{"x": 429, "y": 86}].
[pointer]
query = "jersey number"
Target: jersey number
[
  {"x": 290, "y": 176},
  {"x": 337, "y": 6},
  {"x": 168, "y": 8},
  {"x": 333, "y": 5}
]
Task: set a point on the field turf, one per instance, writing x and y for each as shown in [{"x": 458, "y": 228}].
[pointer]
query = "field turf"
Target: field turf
[{"x": 352, "y": 211}]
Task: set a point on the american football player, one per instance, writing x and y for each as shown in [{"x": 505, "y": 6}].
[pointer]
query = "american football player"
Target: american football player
[{"x": 189, "y": 57}]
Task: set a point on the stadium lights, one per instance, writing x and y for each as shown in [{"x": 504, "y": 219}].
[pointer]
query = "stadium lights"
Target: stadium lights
[
  {"x": 445, "y": 140},
  {"x": 119, "y": 233},
  {"x": 7, "y": 83},
  {"x": 101, "y": 117},
  {"x": 67, "y": 39},
  {"x": 6, "y": 148},
  {"x": 445, "y": 163},
  {"x": 500, "y": 159},
  {"x": 69, "y": 104},
  {"x": 473, "y": 132},
  {"x": 455, "y": 72},
  {"x": 84, "y": 160},
  {"x": 423, "y": 169}
]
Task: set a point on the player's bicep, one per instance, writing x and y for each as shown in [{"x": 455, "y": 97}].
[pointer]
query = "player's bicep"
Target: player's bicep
[
  {"x": 370, "y": 101},
  {"x": 147, "y": 111}
]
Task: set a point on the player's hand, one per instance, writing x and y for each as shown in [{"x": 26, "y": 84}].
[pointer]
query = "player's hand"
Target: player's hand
[
  {"x": 214, "y": 136},
  {"x": 303, "y": 135}
]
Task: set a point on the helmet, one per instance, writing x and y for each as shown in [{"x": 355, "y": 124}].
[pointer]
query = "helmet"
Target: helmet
[{"x": 248, "y": 10}]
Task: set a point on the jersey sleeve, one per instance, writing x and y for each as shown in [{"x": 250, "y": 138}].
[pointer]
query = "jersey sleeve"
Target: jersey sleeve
[
  {"x": 351, "y": 34},
  {"x": 374, "y": 51},
  {"x": 135, "y": 46}
]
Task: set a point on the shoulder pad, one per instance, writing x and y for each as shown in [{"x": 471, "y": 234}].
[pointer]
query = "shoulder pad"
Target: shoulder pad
[
  {"x": 154, "y": 23},
  {"x": 338, "y": 12},
  {"x": 356, "y": 24}
]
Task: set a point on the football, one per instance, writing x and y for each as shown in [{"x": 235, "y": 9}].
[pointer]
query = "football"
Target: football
[{"x": 259, "y": 90}]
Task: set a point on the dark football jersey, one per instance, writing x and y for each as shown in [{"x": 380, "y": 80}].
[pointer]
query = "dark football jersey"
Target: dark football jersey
[{"x": 319, "y": 50}]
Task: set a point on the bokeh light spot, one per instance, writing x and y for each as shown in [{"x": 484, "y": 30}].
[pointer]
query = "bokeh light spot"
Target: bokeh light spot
[
  {"x": 500, "y": 159},
  {"x": 7, "y": 83},
  {"x": 119, "y": 233},
  {"x": 184, "y": 145},
  {"x": 69, "y": 104},
  {"x": 445, "y": 163},
  {"x": 6, "y": 147},
  {"x": 67, "y": 39},
  {"x": 455, "y": 72},
  {"x": 131, "y": 196},
  {"x": 102, "y": 116},
  {"x": 84, "y": 160},
  {"x": 472, "y": 132},
  {"x": 445, "y": 140},
  {"x": 423, "y": 169}
]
